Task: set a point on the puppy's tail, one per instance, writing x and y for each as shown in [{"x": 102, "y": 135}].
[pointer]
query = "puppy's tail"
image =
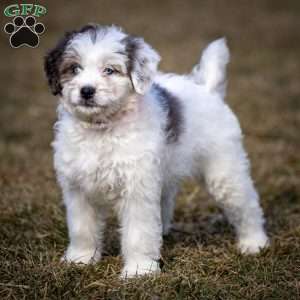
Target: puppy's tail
[{"x": 211, "y": 70}]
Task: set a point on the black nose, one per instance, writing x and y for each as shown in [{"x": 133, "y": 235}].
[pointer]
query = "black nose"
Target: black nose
[{"x": 87, "y": 92}]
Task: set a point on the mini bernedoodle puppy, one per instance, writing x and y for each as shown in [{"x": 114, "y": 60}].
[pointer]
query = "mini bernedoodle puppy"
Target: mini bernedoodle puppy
[{"x": 128, "y": 134}]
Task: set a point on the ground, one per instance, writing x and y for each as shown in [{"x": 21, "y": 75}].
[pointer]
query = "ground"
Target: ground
[{"x": 199, "y": 257}]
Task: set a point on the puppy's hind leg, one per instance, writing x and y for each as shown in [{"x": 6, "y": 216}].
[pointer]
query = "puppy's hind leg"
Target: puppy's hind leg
[{"x": 227, "y": 177}]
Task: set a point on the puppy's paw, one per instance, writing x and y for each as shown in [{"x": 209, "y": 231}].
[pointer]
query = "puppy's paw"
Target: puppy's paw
[
  {"x": 140, "y": 268},
  {"x": 81, "y": 256},
  {"x": 254, "y": 243}
]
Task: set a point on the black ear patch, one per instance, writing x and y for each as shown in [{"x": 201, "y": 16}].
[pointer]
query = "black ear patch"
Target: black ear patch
[
  {"x": 142, "y": 62},
  {"x": 54, "y": 57},
  {"x": 52, "y": 61},
  {"x": 131, "y": 45}
]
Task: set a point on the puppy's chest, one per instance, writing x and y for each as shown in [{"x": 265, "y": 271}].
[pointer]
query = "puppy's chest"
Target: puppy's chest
[{"x": 97, "y": 166}]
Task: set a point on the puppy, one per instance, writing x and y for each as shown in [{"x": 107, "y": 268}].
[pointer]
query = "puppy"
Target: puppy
[{"x": 127, "y": 135}]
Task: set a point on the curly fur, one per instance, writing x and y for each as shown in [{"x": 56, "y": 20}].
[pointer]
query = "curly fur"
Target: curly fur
[{"x": 144, "y": 133}]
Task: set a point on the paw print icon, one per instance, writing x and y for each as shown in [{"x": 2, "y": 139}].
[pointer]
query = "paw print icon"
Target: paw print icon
[{"x": 24, "y": 32}]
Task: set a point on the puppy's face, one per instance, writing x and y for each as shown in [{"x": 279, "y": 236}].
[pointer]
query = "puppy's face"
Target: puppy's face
[{"x": 96, "y": 69}]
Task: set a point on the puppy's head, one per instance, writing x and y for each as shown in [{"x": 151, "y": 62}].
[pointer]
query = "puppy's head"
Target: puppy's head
[{"x": 96, "y": 69}]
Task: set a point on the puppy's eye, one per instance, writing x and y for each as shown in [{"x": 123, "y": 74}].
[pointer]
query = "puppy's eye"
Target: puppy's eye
[
  {"x": 108, "y": 71},
  {"x": 76, "y": 69}
]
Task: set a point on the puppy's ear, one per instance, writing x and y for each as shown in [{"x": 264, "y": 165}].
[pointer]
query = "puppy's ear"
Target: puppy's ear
[
  {"x": 142, "y": 63},
  {"x": 52, "y": 62}
]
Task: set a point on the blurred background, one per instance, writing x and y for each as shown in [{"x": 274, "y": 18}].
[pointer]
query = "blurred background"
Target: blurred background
[{"x": 263, "y": 90}]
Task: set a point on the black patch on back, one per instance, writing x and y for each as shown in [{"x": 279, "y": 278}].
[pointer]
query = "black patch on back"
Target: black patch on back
[
  {"x": 55, "y": 56},
  {"x": 172, "y": 107}
]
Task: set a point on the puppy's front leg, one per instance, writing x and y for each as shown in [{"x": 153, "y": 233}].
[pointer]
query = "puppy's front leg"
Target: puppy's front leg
[
  {"x": 85, "y": 227},
  {"x": 141, "y": 227}
]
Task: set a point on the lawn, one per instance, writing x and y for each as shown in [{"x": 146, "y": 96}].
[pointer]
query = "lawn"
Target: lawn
[{"x": 199, "y": 258}]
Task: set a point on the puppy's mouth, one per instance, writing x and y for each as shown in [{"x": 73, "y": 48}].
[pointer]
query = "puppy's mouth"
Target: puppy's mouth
[
  {"x": 90, "y": 103},
  {"x": 89, "y": 109},
  {"x": 101, "y": 115}
]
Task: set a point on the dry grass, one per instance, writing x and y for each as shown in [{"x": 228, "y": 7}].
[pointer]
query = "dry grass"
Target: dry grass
[{"x": 199, "y": 257}]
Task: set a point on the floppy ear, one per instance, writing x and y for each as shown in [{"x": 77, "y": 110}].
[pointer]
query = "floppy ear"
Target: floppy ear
[
  {"x": 142, "y": 63},
  {"x": 52, "y": 61}
]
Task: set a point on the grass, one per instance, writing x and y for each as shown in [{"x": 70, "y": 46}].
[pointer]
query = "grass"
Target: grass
[{"x": 199, "y": 258}]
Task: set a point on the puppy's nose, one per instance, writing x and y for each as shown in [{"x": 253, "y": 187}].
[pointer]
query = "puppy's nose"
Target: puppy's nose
[{"x": 87, "y": 92}]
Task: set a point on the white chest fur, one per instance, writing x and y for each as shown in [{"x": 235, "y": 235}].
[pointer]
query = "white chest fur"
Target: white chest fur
[{"x": 100, "y": 162}]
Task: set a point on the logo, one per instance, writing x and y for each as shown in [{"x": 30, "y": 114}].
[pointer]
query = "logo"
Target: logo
[{"x": 24, "y": 30}]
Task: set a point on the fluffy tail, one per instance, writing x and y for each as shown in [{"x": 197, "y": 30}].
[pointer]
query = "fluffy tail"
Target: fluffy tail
[{"x": 211, "y": 70}]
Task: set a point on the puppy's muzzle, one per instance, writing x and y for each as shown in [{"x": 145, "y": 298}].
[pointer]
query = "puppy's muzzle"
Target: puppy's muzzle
[{"x": 87, "y": 93}]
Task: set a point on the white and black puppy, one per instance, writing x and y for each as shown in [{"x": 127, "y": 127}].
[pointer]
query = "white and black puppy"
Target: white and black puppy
[{"x": 127, "y": 135}]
